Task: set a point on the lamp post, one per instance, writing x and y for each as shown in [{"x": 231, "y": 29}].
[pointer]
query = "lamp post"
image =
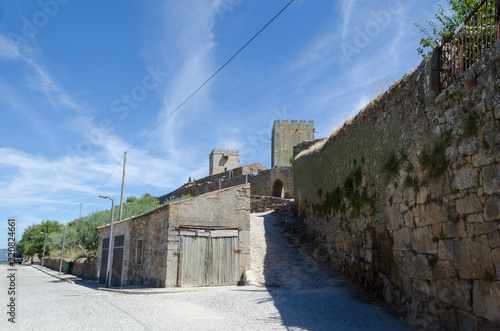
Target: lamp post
[
  {"x": 108, "y": 267},
  {"x": 220, "y": 180},
  {"x": 33, "y": 250},
  {"x": 44, "y": 244},
  {"x": 62, "y": 248}
]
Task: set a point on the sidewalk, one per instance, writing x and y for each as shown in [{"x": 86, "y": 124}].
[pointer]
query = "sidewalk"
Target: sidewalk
[{"x": 72, "y": 279}]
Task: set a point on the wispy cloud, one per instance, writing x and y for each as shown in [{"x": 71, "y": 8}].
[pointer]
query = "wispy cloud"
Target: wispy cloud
[
  {"x": 8, "y": 50},
  {"x": 347, "y": 8}
]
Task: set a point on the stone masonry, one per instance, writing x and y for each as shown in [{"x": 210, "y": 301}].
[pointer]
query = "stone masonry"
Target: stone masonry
[
  {"x": 285, "y": 135},
  {"x": 405, "y": 197},
  {"x": 223, "y": 160}
]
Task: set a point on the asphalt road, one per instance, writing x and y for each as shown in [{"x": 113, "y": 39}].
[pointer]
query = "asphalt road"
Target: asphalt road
[{"x": 46, "y": 303}]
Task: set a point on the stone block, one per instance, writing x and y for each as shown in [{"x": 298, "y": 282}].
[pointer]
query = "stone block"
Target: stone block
[
  {"x": 483, "y": 158},
  {"x": 494, "y": 239},
  {"x": 475, "y": 218},
  {"x": 433, "y": 214},
  {"x": 484, "y": 228},
  {"x": 492, "y": 209},
  {"x": 402, "y": 239},
  {"x": 491, "y": 179},
  {"x": 444, "y": 270},
  {"x": 422, "y": 195},
  {"x": 392, "y": 214},
  {"x": 486, "y": 300},
  {"x": 458, "y": 229},
  {"x": 455, "y": 292},
  {"x": 469, "y": 205},
  {"x": 466, "y": 321},
  {"x": 424, "y": 241},
  {"x": 495, "y": 254},
  {"x": 465, "y": 177},
  {"x": 418, "y": 266},
  {"x": 445, "y": 250},
  {"x": 473, "y": 258},
  {"x": 448, "y": 317}
]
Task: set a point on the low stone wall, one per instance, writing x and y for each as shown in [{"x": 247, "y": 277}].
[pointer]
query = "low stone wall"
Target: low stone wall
[
  {"x": 83, "y": 267},
  {"x": 261, "y": 183},
  {"x": 259, "y": 204},
  {"x": 405, "y": 197}
]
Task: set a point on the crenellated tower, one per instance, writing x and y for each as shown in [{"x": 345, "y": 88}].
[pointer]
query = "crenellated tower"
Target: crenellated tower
[
  {"x": 222, "y": 160},
  {"x": 285, "y": 135}
]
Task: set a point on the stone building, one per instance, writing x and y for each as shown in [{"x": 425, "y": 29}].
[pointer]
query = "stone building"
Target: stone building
[
  {"x": 200, "y": 241},
  {"x": 221, "y": 160},
  {"x": 285, "y": 135}
]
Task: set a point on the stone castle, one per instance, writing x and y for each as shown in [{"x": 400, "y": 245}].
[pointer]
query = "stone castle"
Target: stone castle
[{"x": 285, "y": 136}]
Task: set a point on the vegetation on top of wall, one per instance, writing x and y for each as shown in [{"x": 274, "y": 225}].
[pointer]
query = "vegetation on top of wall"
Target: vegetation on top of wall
[
  {"x": 433, "y": 160},
  {"x": 391, "y": 164}
]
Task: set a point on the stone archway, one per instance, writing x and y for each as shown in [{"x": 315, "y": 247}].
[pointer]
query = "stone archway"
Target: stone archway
[{"x": 278, "y": 189}]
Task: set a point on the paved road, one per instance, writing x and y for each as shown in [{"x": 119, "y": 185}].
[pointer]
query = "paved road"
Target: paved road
[{"x": 46, "y": 303}]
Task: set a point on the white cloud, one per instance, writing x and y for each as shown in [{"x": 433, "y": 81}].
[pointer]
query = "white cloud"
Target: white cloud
[{"x": 8, "y": 50}]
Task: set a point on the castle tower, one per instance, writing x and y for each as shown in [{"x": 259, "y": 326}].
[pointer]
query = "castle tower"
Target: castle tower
[
  {"x": 285, "y": 135},
  {"x": 222, "y": 160}
]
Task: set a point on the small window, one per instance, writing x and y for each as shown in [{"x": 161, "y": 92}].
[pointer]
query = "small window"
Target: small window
[
  {"x": 138, "y": 252},
  {"x": 251, "y": 171},
  {"x": 230, "y": 174}
]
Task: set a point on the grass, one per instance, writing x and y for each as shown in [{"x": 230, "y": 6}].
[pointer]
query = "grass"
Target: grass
[
  {"x": 71, "y": 253},
  {"x": 470, "y": 124},
  {"x": 390, "y": 165},
  {"x": 433, "y": 160}
]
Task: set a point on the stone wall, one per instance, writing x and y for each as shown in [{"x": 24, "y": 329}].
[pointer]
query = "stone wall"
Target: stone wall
[
  {"x": 259, "y": 203},
  {"x": 262, "y": 183},
  {"x": 405, "y": 197},
  {"x": 83, "y": 267}
]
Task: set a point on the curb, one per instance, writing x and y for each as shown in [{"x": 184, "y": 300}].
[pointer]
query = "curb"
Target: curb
[{"x": 55, "y": 276}]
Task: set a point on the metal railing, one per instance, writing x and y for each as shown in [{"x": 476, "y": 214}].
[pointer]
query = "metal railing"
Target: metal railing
[{"x": 469, "y": 42}]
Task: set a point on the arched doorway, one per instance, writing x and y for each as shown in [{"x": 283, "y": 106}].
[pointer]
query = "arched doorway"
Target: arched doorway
[{"x": 278, "y": 190}]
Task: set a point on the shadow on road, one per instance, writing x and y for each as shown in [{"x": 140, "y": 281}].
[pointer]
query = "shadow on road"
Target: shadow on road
[{"x": 309, "y": 299}]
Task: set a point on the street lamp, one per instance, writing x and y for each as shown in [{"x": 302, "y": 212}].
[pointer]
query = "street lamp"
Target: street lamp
[
  {"x": 108, "y": 268},
  {"x": 220, "y": 180},
  {"x": 33, "y": 250},
  {"x": 44, "y": 244},
  {"x": 62, "y": 248}
]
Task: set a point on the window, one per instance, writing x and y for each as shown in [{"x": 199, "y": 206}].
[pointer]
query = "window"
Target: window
[
  {"x": 230, "y": 174},
  {"x": 251, "y": 171},
  {"x": 138, "y": 252}
]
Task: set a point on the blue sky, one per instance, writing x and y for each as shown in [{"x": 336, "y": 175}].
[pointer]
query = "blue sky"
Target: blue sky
[{"x": 83, "y": 81}]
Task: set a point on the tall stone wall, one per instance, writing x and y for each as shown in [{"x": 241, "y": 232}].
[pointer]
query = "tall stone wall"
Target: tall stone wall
[{"x": 405, "y": 197}]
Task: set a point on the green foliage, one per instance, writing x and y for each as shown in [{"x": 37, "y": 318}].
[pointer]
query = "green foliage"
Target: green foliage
[
  {"x": 189, "y": 181},
  {"x": 291, "y": 160},
  {"x": 410, "y": 181},
  {"x": 81, "y": 233},
  {"x": 447, "y": 20},
  {"x": 433, "y": 159},
  {"x": 470, "y": 124},
  {"x": 441, "y": 236},
  {"x": 28, "y": 245},
  {"x": 390, "y": 165},
  {"x": 348, "y": 196},
  {"x": 131, "y": 199}
]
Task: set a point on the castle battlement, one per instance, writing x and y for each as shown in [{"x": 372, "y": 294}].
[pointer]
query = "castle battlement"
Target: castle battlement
[
  {"x": 224, "y": 151},
  {"x": 294, "y": 124}
]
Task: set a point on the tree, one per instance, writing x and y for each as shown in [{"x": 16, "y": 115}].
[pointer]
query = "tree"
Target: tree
[
  {"x": 28, "y": 245},
  {"x": 131, "y": 199},
  {"x": 189, "y": 179},
  {"x": 448, "y": 19}
]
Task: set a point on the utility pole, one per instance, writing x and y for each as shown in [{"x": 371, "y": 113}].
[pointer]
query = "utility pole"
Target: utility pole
[
  {"x": 123, "y": 183},
  {"x": 81, "y": 209}
]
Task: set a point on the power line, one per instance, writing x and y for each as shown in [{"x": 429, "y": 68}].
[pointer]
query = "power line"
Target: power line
[{"x": 190, "y": 96}]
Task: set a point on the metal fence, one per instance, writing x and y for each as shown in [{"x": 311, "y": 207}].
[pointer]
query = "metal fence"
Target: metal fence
[{"x": 469, "y": 42}]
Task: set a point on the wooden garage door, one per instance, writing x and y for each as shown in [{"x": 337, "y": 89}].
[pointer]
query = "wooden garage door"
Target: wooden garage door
[{"x": 208, "y": 257}]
